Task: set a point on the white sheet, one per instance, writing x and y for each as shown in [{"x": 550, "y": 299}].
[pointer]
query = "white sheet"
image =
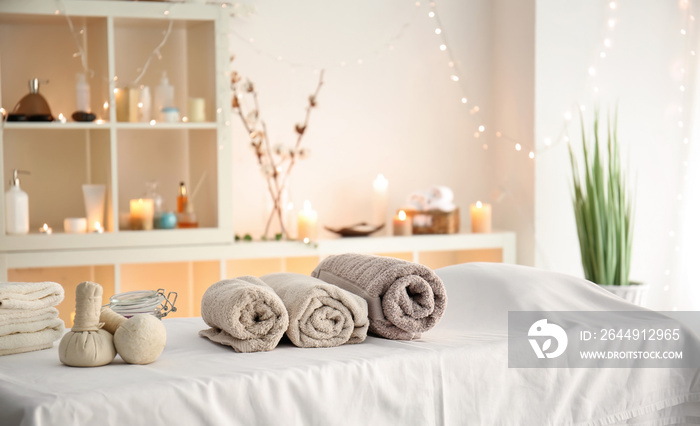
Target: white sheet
[{"x": 456, "y": 374}]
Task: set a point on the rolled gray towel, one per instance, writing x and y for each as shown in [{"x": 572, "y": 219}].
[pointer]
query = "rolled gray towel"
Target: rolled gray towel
[
  {"x": 321, "y": 315},
  {"x": 404, "y": 298},
  {"x": 244, "y": 313}
]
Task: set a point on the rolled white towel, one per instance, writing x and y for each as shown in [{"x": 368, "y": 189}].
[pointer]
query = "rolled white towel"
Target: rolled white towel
[{"x": 30, "y": 295}]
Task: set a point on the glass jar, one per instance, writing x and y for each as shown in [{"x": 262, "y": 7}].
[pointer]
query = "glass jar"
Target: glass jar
[{"x": 153, "y": 302}]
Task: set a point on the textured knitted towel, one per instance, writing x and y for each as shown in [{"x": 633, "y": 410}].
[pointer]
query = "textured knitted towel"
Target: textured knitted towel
[
  {"x": 321, "y": 315},
  {"x": 30, "y": 295},
  {"x": 404, "y": 298},
  {"x": 244, "y": 313},
  {"x": 27, "y": 342}
]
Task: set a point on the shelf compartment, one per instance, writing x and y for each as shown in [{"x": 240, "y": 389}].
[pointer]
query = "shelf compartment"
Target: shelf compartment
[
  {"x": 60, "y": 163},
  {"x": 31, "y": 45},
  {"x": 186, "y": 57},
  {"x": 183, "y": 156}
]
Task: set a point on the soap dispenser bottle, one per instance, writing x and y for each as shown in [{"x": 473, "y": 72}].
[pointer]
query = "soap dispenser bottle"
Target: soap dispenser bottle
[
  {"x": 164, "y": 97},
  {"x": 16, "y": 207}
]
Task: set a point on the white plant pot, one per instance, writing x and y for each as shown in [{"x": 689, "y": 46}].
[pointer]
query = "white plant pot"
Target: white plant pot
[{"x": 634, "y": 293}]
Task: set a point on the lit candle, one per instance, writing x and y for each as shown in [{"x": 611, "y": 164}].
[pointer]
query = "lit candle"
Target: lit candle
[
  {"x": 141, "y": 210},
  {"x": 62, "y": 118},
  {"x": 98, "y": 228},
  {"x": 307, "y": 223},
  {"x": 402, "y": 224},
  {"x": 481, "y": 217},
  {"x": 46, "y": 229},
  {"x": 380, "y": 185}
]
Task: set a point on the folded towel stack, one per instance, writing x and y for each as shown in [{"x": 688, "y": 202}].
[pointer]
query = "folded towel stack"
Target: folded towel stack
[
  {"x": 28, "y": 319},
  {"x": 404, "y": 298},
  {"x": 321, "y": 315},
  {"x": 244, "y": 313}
]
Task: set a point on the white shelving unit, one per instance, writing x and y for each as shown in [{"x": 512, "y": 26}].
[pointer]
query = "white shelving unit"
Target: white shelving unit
[
  {"x": 118, "y": 37},
  {"x": 35, "y": 42}
]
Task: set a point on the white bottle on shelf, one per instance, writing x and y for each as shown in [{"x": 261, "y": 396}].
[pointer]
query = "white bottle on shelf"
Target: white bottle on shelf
[
  {"x": 144, "y": 104},
  {"x": 82, "y": 93},
  {"x": 164, "y": 97},
  {"x": 16, "y": 207}
]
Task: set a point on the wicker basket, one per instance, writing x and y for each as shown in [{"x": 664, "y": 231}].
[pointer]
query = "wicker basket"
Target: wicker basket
[{"x": 434, "y": 221}]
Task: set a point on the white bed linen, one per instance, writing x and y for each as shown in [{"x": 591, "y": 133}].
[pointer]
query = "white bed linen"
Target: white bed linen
[{"x": 457, "y": 374}]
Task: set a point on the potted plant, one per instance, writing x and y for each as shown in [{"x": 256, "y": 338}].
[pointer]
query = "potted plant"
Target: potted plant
[{"x": 604, "y": 214}]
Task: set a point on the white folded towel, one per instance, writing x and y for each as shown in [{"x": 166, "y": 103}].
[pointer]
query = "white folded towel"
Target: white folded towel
[
  {"x": 27, "y": 342},
  {"x": 15, "y": 316},
  {"x": 30, "y": 295},
  {"x": 30, "y": 327}
]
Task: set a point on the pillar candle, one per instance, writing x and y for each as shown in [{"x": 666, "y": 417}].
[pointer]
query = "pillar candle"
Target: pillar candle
[
  {"x": 379, "y": 204},
  {"x": 403, "y": 225},
  {"x": 481, "y": 217},
  {"x": 141, "y": 214},
  {"x": 121, "y": 98},
  {"x": 307, "y": 221},
  {"x": 196, "y": 110}
]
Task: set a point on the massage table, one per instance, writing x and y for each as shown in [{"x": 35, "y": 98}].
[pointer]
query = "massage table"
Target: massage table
[{"x": 455, "y": 374}]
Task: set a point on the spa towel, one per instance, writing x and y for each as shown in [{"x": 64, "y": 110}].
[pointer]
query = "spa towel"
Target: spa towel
[
  {"x": 17, "y": 316},
  {"x": 30, "y": 327},
  {"x": 321, "y": 315},
  {"x": 244, "y": 313},
  {"x": 30, "y": 295},
  {"x": 404, "y": 298},
  {"x": 27, "y": 342}
]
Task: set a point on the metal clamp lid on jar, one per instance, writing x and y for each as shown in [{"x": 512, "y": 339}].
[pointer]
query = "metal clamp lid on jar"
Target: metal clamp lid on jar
[{"x": 152, "y": 302}]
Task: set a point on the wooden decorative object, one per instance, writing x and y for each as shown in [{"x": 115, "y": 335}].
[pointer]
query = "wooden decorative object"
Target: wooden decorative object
[
  {"x": 358, "y": 230},
  {"x": 434, "y": 221}
]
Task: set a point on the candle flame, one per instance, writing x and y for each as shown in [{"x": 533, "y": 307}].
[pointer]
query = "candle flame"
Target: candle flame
[
  {"x": 105, "y": 105},
  {"x": 478, "y": 204},
  {"x": 402, "y": 215},
  {"x": 45, "y": 227},
  {"x": 98, "y": 226}
]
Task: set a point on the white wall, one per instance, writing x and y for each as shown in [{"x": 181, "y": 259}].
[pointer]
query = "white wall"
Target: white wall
[
  {"x": 398, "y": 113},
  {"x": 642, "y": 73}
]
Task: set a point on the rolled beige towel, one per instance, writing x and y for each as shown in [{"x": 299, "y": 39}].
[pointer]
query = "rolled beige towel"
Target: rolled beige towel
[
  {"x": 244, "y": 313},
  {"x": 404, "y": 298},
  {"x": 30, "y": 295},
  {"x": 321, "y": 315}
]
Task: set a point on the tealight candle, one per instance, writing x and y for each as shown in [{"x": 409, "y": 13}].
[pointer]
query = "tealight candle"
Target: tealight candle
[
  {"x": 46, "y": 229},
  {"x": 403, "y": 225},
  {"x": 75, "y": 225},
  {"x": 481, "y": 217},
  {"x": 141, "y": 214},
  {"x": 98, "y": 228},
  {"x": 307, "y": 221}
]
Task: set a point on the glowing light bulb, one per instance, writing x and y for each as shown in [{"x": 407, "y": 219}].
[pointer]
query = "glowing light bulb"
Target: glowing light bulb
[
  {"x": 105, "y": 105},
  {"x": 518, "y": 147},
  {"x": 454, "y": 77},
  {"x": 591, "y": 71},
  {"x": 438, "y": 31},
  {"x": 152, "y": 122},
  {"x": 443, "y": 47},
  {"x": 611, "y": 23},
  {"x": 116, "y": 91},
  {"x": 482, "y": 128},
  {"x": 140, "y": 104},
  {"x": 613, "y": 5},
  {"x": 547, "y": 141},
  {"x": 464, "y": 100},
  {"x": 531, "y": 155},
  {"x": 431, "y": 14},
  {"x": 682, "y": 31}
]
